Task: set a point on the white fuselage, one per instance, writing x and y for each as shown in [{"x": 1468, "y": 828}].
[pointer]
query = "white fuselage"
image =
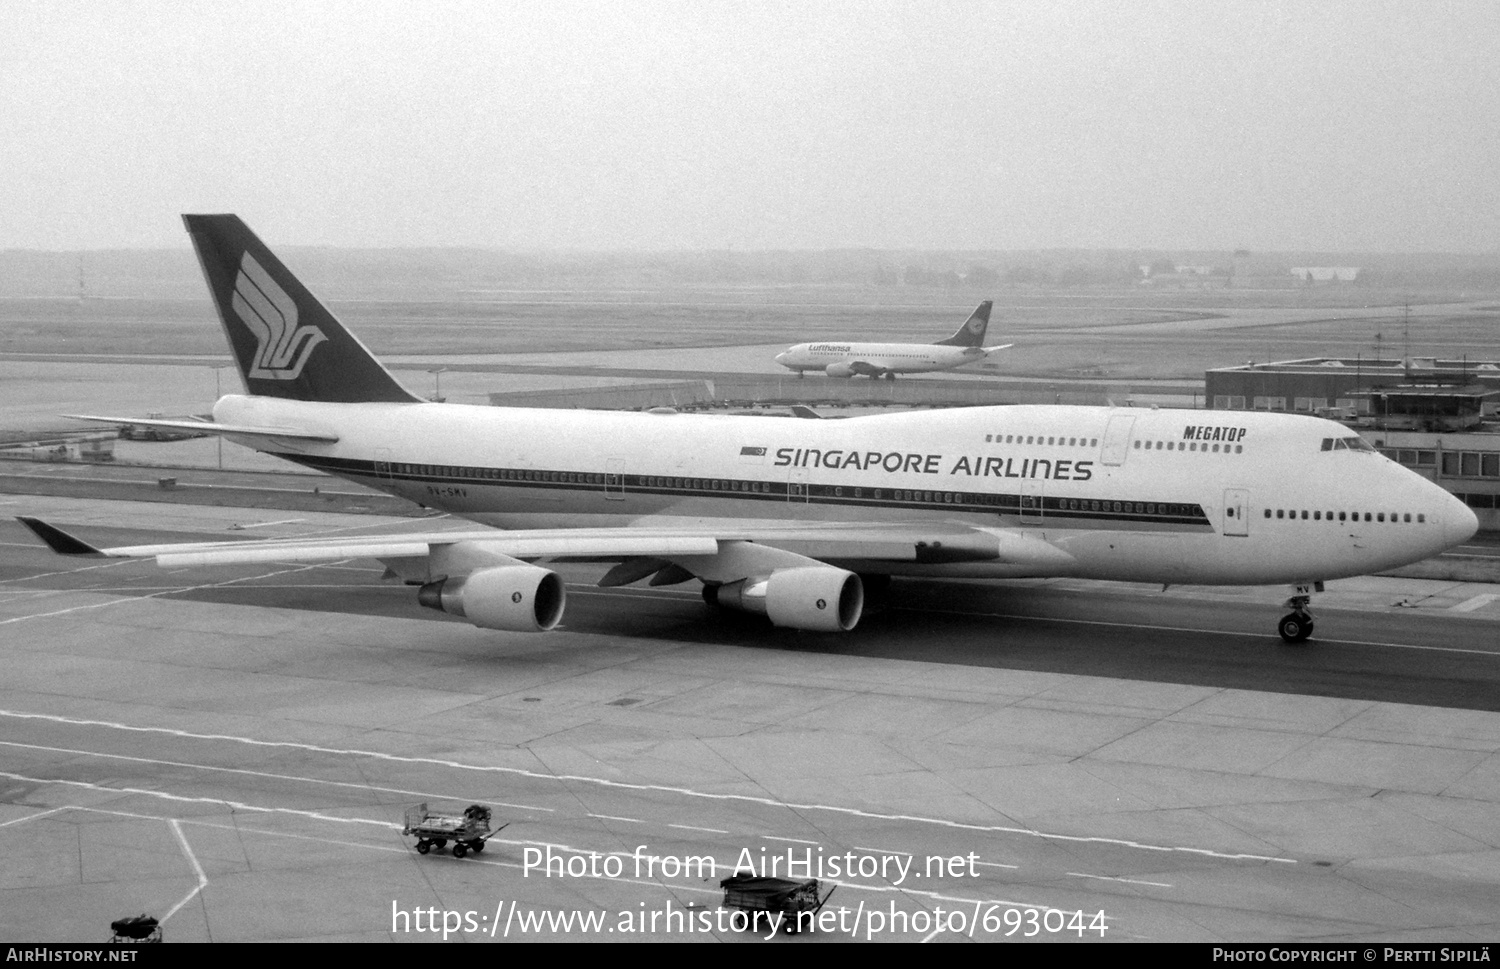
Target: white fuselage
[
  {"x": 1209, "y": 497},
  {"x": 870, "y": 359}
]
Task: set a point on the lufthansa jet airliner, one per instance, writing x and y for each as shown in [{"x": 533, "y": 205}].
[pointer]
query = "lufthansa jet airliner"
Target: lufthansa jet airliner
[
  {"x": 781, "y": 517},
  {"x": 841, "y": 359}
]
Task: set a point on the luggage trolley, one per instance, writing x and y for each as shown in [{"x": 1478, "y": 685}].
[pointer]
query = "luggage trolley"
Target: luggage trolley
[{"x": 468, "y": 831}]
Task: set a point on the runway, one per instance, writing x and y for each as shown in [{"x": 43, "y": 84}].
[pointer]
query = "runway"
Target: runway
[{"x": 1053, "y": 760}]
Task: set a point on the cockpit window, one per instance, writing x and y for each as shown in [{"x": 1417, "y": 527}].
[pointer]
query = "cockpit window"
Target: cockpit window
[{"x": 1355, "y": 443}]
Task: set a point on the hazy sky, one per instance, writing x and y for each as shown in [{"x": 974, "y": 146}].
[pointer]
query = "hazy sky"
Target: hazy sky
[{"x": 658, "y": 125}]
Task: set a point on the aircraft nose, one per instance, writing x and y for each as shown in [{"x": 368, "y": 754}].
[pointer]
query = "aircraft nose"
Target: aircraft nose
[{"x": 1459, "y": 523}]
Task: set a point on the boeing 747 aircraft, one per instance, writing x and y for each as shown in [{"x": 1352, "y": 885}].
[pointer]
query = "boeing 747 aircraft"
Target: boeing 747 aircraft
[
  {"x": 786, "y": 517},
  {"x": 838, "y": 359}
]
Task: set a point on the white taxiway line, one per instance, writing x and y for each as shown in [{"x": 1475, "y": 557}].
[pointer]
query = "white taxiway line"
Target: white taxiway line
[
  {"x": 1112, "y": 878},
  {"x": 266, "y": 774},
  {"x": 237, "y": 805},
  {"x": 202, "y": 878},
  {"x": 31, "y": 817},
  {"x": 662, "y": 788},
  {"x": 1478, "y": 602},
  {"x": 153, "y": 595}
]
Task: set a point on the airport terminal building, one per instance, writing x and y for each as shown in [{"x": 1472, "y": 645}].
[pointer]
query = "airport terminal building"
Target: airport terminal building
[{"x": 1441, "y": 418}]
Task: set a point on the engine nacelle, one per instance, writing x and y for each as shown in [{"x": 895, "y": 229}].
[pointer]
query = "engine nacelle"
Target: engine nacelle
[
  {"x": 516, "y": 598},
  {"x": 817, "y": 597},
  {"x": 839, "y": 370}
]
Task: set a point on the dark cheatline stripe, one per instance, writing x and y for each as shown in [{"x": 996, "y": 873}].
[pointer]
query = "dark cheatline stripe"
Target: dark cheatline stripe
[{"x": 1078, "y": 510}]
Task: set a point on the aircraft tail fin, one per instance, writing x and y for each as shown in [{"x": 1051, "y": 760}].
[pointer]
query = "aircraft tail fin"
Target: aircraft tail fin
[
  {"x": 286, "y": 343},
  {"x": 971, "y": 334}
]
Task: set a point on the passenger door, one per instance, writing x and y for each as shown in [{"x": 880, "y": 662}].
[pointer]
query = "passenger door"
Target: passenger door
[
  {"x": 1236, "y": 512},
  {"x": 614, "y": 479},
  {"x": 1117, "y": 439}
]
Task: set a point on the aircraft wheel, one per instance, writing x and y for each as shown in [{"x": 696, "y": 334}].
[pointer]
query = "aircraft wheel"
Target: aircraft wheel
[{"x": 1295, "y": 628}]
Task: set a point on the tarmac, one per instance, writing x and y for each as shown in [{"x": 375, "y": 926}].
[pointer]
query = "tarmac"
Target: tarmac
[{"x": 241, "y": 771}]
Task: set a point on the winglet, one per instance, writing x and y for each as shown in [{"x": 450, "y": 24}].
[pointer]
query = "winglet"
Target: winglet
[{"x": 58, "y": 540}]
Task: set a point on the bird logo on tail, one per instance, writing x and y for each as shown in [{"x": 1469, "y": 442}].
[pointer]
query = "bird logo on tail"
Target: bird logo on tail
[{"x": 269, "y": 313}]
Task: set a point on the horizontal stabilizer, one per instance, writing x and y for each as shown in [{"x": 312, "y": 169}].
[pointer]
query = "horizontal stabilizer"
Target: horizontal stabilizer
[{"x": 211, "y": 427}]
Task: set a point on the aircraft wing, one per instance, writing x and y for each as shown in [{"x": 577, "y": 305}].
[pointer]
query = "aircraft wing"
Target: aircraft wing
[
  {"x": 799, "y": 575},
  {"x": 211, "y": 427},
  {"x": 696, "y": 542}
]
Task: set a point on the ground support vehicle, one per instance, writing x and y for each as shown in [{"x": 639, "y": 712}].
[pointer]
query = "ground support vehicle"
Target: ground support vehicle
[
  {"x": 467, "y": 831},
  {"x": 136, "y": 929},
  {"x": 790, "y": 898}
]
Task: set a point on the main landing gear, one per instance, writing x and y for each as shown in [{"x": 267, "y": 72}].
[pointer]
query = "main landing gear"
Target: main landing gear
[{"x": 1297, "y": 625}]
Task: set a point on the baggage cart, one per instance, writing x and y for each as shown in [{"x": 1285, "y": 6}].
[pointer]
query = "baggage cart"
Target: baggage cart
[
  {"x": 790, "y": 898},
  {"x": 468, "y": 831},
  {"x": 136, "y": 929}
]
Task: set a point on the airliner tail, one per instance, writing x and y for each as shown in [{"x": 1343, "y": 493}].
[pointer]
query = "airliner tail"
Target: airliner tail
[
  {"x": 971, "y": 334},
  {"x": 286, "y": 343}
]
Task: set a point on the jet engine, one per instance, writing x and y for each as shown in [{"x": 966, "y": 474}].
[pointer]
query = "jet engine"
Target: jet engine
[
  {"x": 817, "y": 597},
  {"x": 839, "y": 370},
  {"x": 516, "y": 598}
]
